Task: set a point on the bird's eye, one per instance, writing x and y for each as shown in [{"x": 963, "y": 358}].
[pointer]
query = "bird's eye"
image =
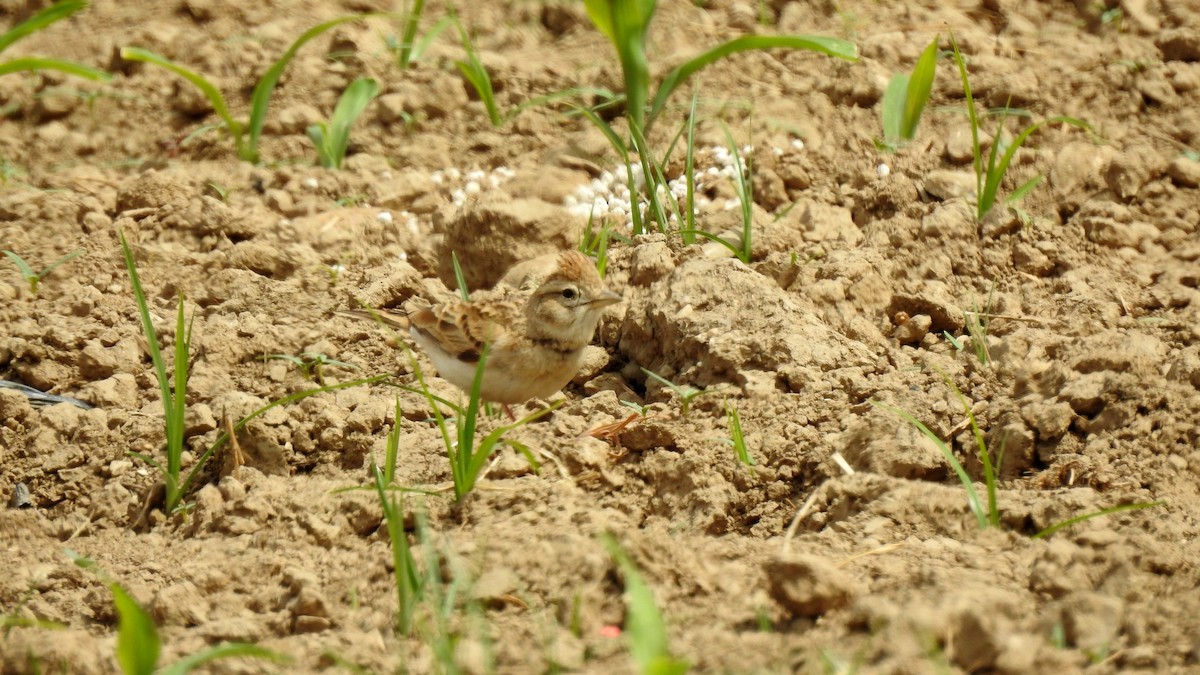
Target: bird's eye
[{"x": 569, "y": 293}]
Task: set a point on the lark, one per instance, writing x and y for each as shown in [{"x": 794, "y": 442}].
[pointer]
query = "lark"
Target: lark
[{"x": 537, "y": 323}]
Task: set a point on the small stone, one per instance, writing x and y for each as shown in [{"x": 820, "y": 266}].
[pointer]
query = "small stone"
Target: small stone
[
  {"x": 20, "y": 497},
  {"x": 913, "y": 330},
  {"x": 1091, "y": 619},
  {"x": 311, "y": 624},
  {"x": 947, "y": 185},
  {"x": 808, "y": 586},
  {"x": 1184, "y": 172}
]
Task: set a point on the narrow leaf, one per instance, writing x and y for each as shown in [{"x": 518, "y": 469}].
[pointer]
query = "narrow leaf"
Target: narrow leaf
[
  {"x": 919, "y": 87},
  {"x": 822, "y": 45}
]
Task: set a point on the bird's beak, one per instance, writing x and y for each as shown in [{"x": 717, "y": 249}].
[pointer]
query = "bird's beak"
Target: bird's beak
[{"x": 605, "y": 299}]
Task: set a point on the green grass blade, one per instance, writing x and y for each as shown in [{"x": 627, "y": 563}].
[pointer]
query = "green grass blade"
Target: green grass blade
[
  {"x": 635, "y": 210},
  {"x": 918, "y": 89},
  {"x": 600, "y": 13},
  {"x": 994, "y": 177},
  {"x": 260, "y": 100},
  {"x": 474, "y": 71},
  {"x": 739, "y": 438},
  {"x": 625, "y": 23},
  {"x": 689, "y": 223},
  {"x": 352, "y": 103},
  {"x": 138, "y": 644},
  {"x": 459, "y": 279},
  {"x": 156, "y": 358},
  {"x": 23, "y": 267},
  {"x": 408, "y": 583},
  {"x": 985, "y": 458},
  {"x": 56, "y": 12},
  {"x": 175, "y": 414},
  {"x": 822, "y": 45},
  {"x": 495, "y": 439},
  {"x": 463, "y": 458},
  {"x": 892, "y": 110},
  {"x": 61, "y": 261},
  {"x": 421, "y": 46},
  {"x": 224, "y": 650},
  {"x": 744, "y": 188},
  {"x": 1088, "y": 516},
  {"x": 645, "y": 629},
  {"x": 39, "y": 63},
  {"x": 411, "y": 23},
  {"x": 972, "y": 118},
  {"x": 392, "y": 449},
  {"x": 199, "y": 81},
  {"x": 1023, "y": 189},
  {"x": 981, "y": 516}
]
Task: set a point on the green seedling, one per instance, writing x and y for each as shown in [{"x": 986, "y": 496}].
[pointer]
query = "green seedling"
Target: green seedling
[
  {"x": 173, "y": 394},
  {"x": 976, "y": 322},
  {"x": 685, "y": 392},
  {"x": 34, "y": 278},
  {"x": 743, "y": 186},
  {"x": 989, "y": 174},
  {"x": 311, "y": 364},
  {"x": 905, "y": 99},
  {"x": 331, "y": 139},
  {"x": 246, "y": 135},
  {"x": 737, "y": 437},
  {"x": 459, "y": 279},
  {"x": 408, "y": 49},
  {"x": 645, "y": 630},
  {"x": 988, "y": 515},
  {"x": 392, "y": 448},
  {"x": 467, "y": 454},
  {"x": 56, "y": 12},
  {"x": 474, "y": 71},
  {"x": 594, "y": 243},
  {"x": 172, "y": 391},
  {"x": 626, "y": 24},
  {"x": 409, "y": 582},
  {"x": 138, "y": 644}
]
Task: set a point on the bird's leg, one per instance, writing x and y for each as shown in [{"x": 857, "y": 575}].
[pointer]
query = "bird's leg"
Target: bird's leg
[{"x": 508, "y": 411}]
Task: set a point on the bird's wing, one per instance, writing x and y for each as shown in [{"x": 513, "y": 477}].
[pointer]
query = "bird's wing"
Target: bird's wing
[{"x": 462, "y": 328}]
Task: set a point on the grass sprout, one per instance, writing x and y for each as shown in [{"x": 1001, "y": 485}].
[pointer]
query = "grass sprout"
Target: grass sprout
[
  {"x": 626, "y": 24},
  {"x": 409, "y": 582},
  {"x": 1095, "y": 514},
  {"x": 34, "y": 278},
  {"x": 311, "y": 364},
  {"x": 988, "y": 515},
  {"x": 990, "y": 173},
  {"x": 246, "y": 135},
  {"x": 743, "y": 186},
  {"x": 905, "y": 98},
  {"x": 645, "y": 629},
  {"x": 737, "y": 437},
  {"x": 467, "y": 454},
  {"x": 173, "y": 393},
  {"x": 172, "y": 389},
  {"x": 475, "y": 73},
  {"x": 686, "y": 393},
  {"x": 332, "y": 138},
  {"x": 408, "y": 49},
  {"x": 139, "y": 646},
  {"x": 39, "y": 21}
]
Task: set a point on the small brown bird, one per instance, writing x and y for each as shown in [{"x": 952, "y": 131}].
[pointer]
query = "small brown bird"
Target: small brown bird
[{"x": 537, "y": 323}]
